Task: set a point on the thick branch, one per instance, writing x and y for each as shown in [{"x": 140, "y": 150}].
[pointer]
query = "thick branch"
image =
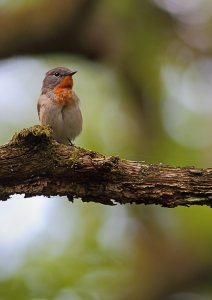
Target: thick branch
[{"x": 34, "y": 164}]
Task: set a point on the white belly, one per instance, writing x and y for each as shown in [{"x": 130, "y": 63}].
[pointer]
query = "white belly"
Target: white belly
[{"x": 66, "y": 122}]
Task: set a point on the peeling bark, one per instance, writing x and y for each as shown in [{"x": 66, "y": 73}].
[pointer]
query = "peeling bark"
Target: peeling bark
[{"x": 32, "y": 163}]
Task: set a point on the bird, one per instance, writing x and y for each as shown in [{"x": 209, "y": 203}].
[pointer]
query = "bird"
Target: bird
[{"x": 58, "y": 105}]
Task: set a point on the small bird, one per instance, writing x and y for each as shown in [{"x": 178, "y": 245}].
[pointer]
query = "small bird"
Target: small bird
[{"x": 58, "y": 105}]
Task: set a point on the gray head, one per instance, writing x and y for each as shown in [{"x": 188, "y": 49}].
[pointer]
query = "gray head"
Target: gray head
[{"x": 57, "y": 77}]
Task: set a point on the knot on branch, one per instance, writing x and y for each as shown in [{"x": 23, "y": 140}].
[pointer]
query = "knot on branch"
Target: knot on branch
[{"x": 34, "y": 135}]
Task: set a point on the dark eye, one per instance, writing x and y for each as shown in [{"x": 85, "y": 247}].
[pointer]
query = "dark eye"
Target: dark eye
[{"x": 56, "y": 74}]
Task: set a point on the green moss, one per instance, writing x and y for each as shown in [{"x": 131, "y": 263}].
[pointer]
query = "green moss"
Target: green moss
[
  {"x": 74, "y": 155},
  {"x": 32, "y": 135},
  {"x": 39, "y": 137},
  {"x": 145, "y": 171}
]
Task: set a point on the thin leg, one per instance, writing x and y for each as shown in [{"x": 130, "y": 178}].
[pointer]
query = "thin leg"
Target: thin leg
[{"x": 70, "y": 142}]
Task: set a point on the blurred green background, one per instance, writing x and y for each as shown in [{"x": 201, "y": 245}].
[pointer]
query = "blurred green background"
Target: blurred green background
[{"x": 145, "y": 83}]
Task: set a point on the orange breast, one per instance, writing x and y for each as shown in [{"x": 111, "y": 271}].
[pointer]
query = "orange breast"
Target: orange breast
[
  {"x": 63, "y": 96},
  {"x": 63, "y": 91}
]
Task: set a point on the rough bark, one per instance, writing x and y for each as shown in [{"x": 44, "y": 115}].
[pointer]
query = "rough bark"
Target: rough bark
[{"x": 32, "y": 163}]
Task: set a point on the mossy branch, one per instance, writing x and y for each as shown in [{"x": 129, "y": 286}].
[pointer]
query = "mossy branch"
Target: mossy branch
[{"x": 32, "y": 163}]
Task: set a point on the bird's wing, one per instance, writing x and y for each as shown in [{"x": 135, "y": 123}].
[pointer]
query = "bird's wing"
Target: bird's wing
[
  {"x": 42, "y": 102},
  {"x": 38, "y": 108}
]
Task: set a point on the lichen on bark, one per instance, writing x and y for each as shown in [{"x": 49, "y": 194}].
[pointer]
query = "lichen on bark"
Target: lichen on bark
[{"x": 33, "y": 163}]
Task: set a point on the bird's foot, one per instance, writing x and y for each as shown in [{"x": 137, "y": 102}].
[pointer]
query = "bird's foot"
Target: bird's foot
[{"x": 70, "y": 143}]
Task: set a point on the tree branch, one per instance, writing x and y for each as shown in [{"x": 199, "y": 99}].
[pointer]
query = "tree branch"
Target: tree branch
[{"x": 32, "y": 163}]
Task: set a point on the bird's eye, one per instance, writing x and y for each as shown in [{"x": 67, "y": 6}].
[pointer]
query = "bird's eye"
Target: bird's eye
[{"x": 56, "y": 74}]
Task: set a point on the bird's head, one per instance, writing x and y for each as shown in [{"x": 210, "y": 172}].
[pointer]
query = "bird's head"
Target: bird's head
[{"x": 58, "y": 78}]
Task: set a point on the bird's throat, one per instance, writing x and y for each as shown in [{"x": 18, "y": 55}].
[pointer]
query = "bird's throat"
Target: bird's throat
[{"x": 66, "y": 82}]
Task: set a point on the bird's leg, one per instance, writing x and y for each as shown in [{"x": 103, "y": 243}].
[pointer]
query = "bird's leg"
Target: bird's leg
[{"x": 70, "y": 142}]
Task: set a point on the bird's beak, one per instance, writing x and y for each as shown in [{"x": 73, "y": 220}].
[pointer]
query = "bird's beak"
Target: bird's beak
[{"x": 73, "y": 72}]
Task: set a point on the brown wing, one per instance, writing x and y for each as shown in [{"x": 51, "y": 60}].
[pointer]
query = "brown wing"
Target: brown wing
[
  {"x": 43, "y": 102},
  {"x": 38, "y": 109}
]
